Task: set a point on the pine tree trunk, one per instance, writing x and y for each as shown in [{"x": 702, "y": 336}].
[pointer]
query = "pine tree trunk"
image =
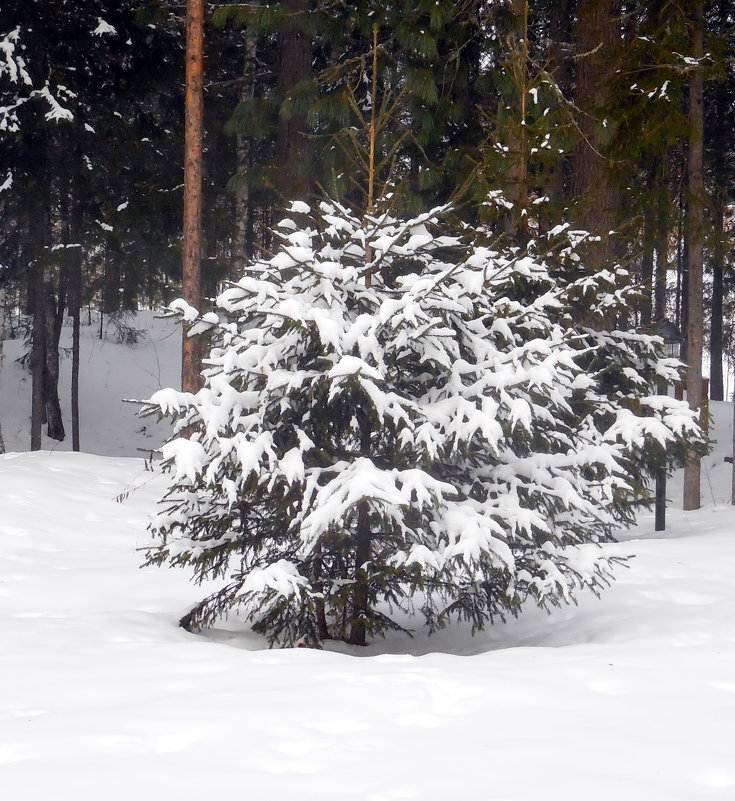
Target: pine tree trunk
[
  {"x": 111, "y": 279},
  {"x": 683, "y": 283},
  {"x": 695, "y": 261},
  {"x": 716, "y": 382},
  {"x": 193, "y": 134},
  {"x": 597, "y": 38},
  {"x": 647, "y": 265},
  {"x": 243, "y": 212},
  {"x": 130, "y": 284},
  {"x": 75, "y": 311},
  {"x": 719, "y": 134},
  {"x": 295, "y": 149},
  {"x": 37, "y": 240},
  {"x": 559, "y": 33},
  {"x": 662, "y": 253},
  {"x": 516, "y": 226},
  {"x": 360, "y": 593},
  {"x": 38, "y": 353},
  {"x": 321, "y": 611},
  {"x": 53, "y": 319},
  {"x": 76, "y": 323}
]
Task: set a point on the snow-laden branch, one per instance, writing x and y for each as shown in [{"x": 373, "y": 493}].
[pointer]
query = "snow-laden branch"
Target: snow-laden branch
[{"x": 14, "y": 71}]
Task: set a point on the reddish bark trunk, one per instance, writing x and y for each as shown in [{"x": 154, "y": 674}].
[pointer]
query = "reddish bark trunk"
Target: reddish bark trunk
[{"x": 192, "y": 240}]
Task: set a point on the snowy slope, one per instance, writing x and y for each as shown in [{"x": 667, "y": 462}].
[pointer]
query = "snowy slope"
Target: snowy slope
[{"x": 631, "y": 696}]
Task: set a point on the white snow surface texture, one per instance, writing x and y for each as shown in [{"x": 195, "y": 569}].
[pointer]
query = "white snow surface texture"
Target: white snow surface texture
[{"x": 102, "y": 696}]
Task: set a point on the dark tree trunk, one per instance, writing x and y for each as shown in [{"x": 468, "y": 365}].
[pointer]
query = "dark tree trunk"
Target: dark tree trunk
[
  {"x": 360, "y": 596},
  {"x": 38, "y": 352},
  {"x": 662, "y": 252},
  {"x": 716, "y": 382},
  {"x": 193, "y": 135},
  {"x": 111, "y": 279},
  {"x": 320, "y": 607},
  {"x": 53, "y": 319},
  {"x": 683, "y": 282},
  {"x": 36, "y": 243},
  {"x": 75, "y": 310},
  {"x": 695, "y": 261},
  {"x": 294, "y": 146},
  {"x": 243, "y": 205},
  {"x": 647, "y": 264},
  {"x": 718, "y": 126},
  {"x": 76, "y": 323},
  {"x": 597, "y": 40},
  {"x": 560, "y": 34},
  {"x": 130, "y": 284},
  {"x": 516, "y": 223}
]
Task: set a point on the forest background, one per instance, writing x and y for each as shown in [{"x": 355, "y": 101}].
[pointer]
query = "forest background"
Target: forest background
[{"x": 614, "y": 117}]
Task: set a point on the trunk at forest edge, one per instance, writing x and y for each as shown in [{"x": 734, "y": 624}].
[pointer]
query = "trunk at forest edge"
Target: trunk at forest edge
[
  {"x": 53, "y": 319},
  {"x": 695, "y": 256},
  {"x": 192, "y": 239},
  {"x": 294, "y": 146},
  {"x": 597, "y": 39}
]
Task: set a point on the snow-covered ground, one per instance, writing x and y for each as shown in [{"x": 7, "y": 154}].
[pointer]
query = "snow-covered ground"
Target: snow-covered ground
[
  {"x": 108, "y": 372},
  {"x": 627, "y": 698}
]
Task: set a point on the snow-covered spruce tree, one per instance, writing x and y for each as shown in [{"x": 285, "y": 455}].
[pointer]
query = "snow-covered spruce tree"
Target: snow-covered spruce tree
[{"x": 396, "y": 420}]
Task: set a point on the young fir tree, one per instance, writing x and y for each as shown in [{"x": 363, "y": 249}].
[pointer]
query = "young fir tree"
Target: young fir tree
[{"x": 395, "y": 420}]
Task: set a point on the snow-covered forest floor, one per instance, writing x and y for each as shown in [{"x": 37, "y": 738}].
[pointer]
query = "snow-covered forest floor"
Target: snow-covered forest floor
[{"x": 631, "y": 696}]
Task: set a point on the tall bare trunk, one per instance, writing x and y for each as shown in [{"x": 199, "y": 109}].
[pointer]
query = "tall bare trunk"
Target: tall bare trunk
[
  {"x": 680, "y": 271},
  {"x": 662, "y": 252},
  {"x": 716, "y": 382},
  {"x": 75, "y": 310},
  {"x": 76, "y": 323},
  {"x": 597, "y": 39},
  {"x": 295, "y": 150},
  {"x": 53, "y": 319},
  {"x": 111, "y": 278},
  {"x": 37, "y": 240},
  {"x": 243, "y": 212},
  {"x": 695, "y": 229},
  {"x": 719, "y": 137},
  {"x": 361, "y": 594},
  {"x": 647, "y": 257},
  {"x": 192, "y": 239},
  {"x": 516, "y": 226},
  {"x": 38, "y": 352},
  {"x": 560, "y": 18}
]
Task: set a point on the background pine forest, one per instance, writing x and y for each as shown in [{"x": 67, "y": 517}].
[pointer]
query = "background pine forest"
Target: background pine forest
[{"x": 521, "y": 114}]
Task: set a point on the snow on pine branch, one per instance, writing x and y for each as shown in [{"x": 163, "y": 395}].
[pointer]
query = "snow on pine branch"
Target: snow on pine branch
[{"x": 14, "y": 70}]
